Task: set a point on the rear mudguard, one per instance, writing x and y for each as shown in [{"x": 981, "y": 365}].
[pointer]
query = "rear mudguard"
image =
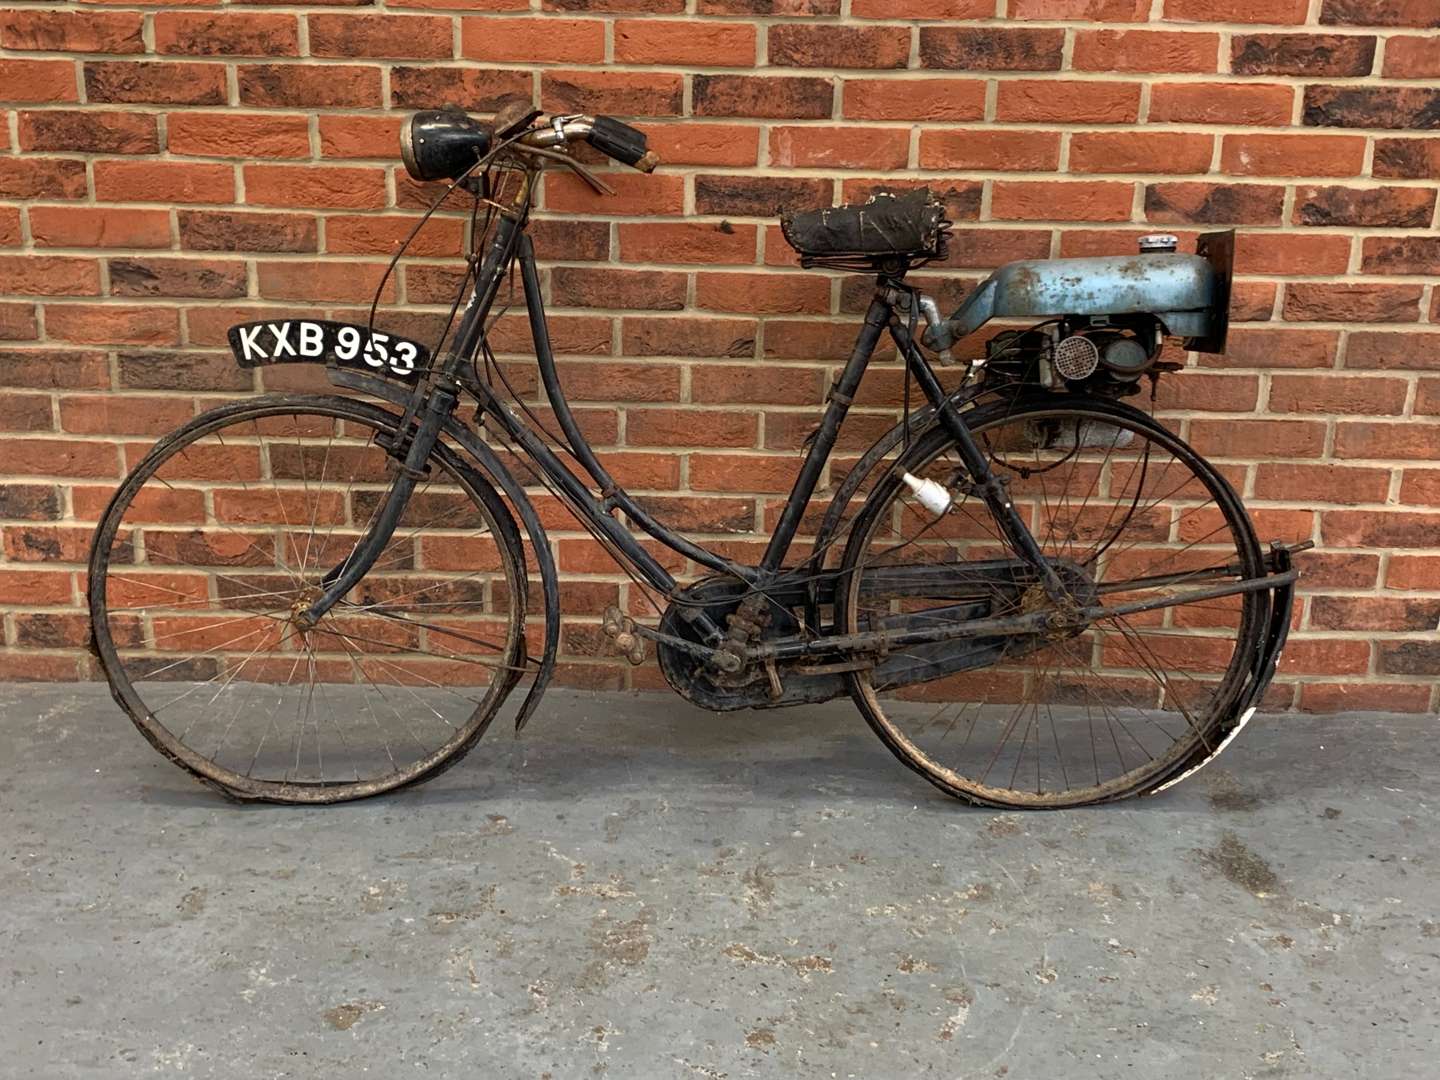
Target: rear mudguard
[{"x": 495, "y": 471}]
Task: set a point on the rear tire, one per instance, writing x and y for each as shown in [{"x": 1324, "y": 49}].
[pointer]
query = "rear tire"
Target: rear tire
[
  {"x": 1075, "y": 716},
  {"x": 225, "y": 529}
]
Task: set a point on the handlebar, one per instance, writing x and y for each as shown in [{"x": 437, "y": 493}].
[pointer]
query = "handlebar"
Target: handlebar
[{"x": 621, "y": 142}]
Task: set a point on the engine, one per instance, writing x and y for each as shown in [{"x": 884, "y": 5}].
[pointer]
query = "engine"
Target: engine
[{"x": 1097, "y": 354}]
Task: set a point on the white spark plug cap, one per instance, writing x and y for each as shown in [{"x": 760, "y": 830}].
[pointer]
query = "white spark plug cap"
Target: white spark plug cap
[{"x": 929, "y": 494}]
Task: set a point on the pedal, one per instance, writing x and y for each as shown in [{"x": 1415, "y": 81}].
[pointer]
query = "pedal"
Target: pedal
[{"x": 620, "y": 629}]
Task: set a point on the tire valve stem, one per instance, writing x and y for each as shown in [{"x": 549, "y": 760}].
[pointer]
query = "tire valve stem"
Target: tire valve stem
[{"x": 932, "y": 496}]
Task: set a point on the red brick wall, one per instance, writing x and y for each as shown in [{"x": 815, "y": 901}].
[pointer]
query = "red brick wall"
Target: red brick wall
[{"x": 164, "y": 173}]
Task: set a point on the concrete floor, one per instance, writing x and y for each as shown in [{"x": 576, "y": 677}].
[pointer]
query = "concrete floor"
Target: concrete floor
[{"x": 641, "y": 890}]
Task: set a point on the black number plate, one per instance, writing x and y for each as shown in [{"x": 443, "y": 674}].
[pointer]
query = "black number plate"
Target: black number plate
[{"x": 321, "y": 341}]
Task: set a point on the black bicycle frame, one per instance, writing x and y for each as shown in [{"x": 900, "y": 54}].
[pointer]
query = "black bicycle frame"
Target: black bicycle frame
[{"x": 438, "y": 395}]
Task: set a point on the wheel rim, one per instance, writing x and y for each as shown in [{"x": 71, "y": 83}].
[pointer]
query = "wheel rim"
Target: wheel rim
[
  {"x": 224, "y": 533},
  {"x": 1129, "y": 513}
]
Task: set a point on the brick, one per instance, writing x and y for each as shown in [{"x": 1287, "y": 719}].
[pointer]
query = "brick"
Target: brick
[
  {"x": 758, "y": 196},
  {"x": 10, "y": 226},
  {"x": 1401, "y": 255},
  {"x": 791, "y": 8},
  {"x": 922, "y": 9},
  {"x": 359, "y": 136},
  {"x": 749, "y": 384},
  {"x": 51, "y": 369},
  {"x": 690, "y": 427},
  {"x": 634, "y": 194},
  {"x": 241, "y": 135},
  {"x": 1315, "y": 302},
  {"x": 177, "y": 277},
  {"x": 797, "y": 45},
  {"x": 1372, "y": 528},
  {"x": 1251, "y": 104},
  {"x": 1393, "y": 351},
  {"x": 845, "y": 147},
  {"x": 89, "y": 324},
  {"x": 38, "y": 587},
  {"x": 30, "y": 502},
  {"x": 115, "y": 414},
  {"x": 1214, "y": 204},
  {"x": 762, "y": 293},
  {"x": 1138, "y": 152},
  {"x": 573, "y": 238},
  {"x": 17, "y": 322},
  {"x": 314, "y": 185},
  {"x": 204, "y": 34},
  {"x": 382, "y": 234},
  {"x": 1280, "y": 12},
  {"x": 1412, "y": 58},
  {"x": 743, "y": 472},
  {"x": 396, "y": 37},
  {"x": 1413, "y": 572},
  {"x": 1292, "y": 155},
  {"x": 1298, "y": 254},
  {"x": 1420, "y": 487},
  {"x": 1246, "y": 440},
  {"x": 224, "y": 230},
  {"x": 42, "y": 178},
  {"x": 1421, "y": 13},
  {"x": 481, "y": 89},
  {"x": 1319, "y": 697},
  {"x": 1024, "y": 200},
  {"x": 49, "y": 275},
  {"x": 1310, "y": 55},
  {"x": 1330, "y": 393},
  {"x": 332, "y": 281},
  {"x": 603, "y": 287},
  {"x": 1427, "y": 398},
  {"x": 38, "y": 80},
  {"x": 542, "y": 41},
  {"x": 308, "y": 85},
  {"x": 688, "y": 336},
  {"x": 704, "y": 144},
  {"x": 153, "y": 83},
  {"x": 975, "y": 49},
  {"x": 1412, "y": 440},
  {"x": 913, "y": 99},
  {"x": 613, "y": 93},
  {"x": 1081, "y": 10},
  {"x": 797, "y": 98},
  {"x": 73, "y": 31},
  {"x": 1030, "y": 101},
  {"x": 1145, "y": 51},
  {"x": 688, "y": 242},
  {"x": 60, "y": 457},
  {"x": 26, "y": 412},
  {"x": 1401, "y": 208},
  {"x": 1372, "y": 107},
  {"x": 164, "y": 182},
  {"x": 629, "y": 382},
  {"x": 710, "y": 44},
  {"x": 177, "y": 372},
  {"x": 1019, "y": 151},
  {"x": 994, "y": 247},
  {"x": 1327, "y": 483},
  {"x": 89, "y": 132},
  {"x": 1209, "y": 392},
  {"x": 1288, "y": 348}
]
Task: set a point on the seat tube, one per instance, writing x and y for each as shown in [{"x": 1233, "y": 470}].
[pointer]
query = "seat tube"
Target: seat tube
[{"x": 842, "y": 394}]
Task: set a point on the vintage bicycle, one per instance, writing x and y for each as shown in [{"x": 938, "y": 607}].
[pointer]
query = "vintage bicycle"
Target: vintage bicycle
[{"x": 1036, "y": 594}]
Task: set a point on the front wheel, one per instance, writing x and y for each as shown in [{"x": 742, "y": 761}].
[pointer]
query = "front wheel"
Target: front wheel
[
  {"x": 1085, "y": 712},
  {"x": 225, "y": 531}
]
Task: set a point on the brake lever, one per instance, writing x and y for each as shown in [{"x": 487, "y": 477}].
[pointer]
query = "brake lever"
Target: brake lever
[{"x": 596, "y": 184}]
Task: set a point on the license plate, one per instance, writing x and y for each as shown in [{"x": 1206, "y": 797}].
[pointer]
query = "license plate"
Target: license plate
[{"x": 322, "y": 341}]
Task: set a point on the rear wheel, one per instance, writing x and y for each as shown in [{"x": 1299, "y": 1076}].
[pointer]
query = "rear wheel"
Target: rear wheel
[
  {"x": 223, "y": 533},
  {"x": 1124, "y": 511}
]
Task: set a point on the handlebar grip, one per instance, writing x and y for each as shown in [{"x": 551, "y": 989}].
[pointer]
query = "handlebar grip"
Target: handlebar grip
[{"x": 623, "y": 143}]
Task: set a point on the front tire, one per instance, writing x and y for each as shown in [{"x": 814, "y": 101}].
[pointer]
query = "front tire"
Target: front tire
[{"x": 224, "y": 531}]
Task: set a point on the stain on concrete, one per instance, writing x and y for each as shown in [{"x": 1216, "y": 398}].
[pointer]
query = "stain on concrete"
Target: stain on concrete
[
  {"x": 1241, "y": 866},
  {"x": 192, "y": 903},
  {"x": 804, "y": 966},
  {"x": 1227, "y": 794},
  {"x": 760, "y": 1039},
  {"x": 344, "y": 1017}
]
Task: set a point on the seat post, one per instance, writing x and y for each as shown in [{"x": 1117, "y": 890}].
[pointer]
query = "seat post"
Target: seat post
[{"x": 840, "y": 397}]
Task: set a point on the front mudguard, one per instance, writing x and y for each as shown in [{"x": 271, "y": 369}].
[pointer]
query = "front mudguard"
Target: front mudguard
[{"x": 495, "y": 471}]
